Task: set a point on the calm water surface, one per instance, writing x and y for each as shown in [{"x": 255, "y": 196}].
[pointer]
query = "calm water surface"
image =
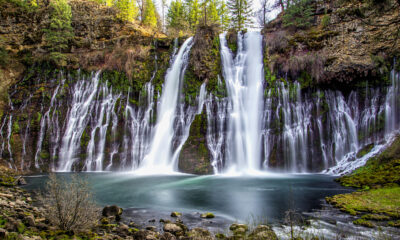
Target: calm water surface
[{"x": 237, "y": 198}]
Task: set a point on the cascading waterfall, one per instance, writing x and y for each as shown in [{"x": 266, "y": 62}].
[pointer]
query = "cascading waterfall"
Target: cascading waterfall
[
  {"x": 85, "y": 125},
  {"x": 243, "y": 77},
  {"x": 160, "y": 157},
  {"x": 84, "y": 93}
]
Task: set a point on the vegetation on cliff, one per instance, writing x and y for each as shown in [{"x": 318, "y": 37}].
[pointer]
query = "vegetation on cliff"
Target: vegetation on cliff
[{"x": 336, "y": 41}]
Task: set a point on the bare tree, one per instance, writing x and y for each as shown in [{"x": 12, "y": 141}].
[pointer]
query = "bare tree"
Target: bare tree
[
  {"x": 69, "y": 205},
  {"x": 261, "y": 14}
]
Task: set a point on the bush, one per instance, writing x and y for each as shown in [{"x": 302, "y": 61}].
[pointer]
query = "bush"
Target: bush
[
  {"x": 69, "y": 205},
  {"x": 277, "y": 42}
]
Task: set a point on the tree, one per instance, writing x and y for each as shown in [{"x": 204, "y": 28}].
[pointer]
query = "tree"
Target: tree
[
  {"x": 149, "y": 15},
  {"x": 60, "y": 31},
  {"x": 298, "y": 13},
  {"x": 69, "y": 205},
  {"x": 127, "y": 10},
  {"x": 213, "y": 15},
  {"x": 223, "y": 13},
  {"x": 194, "y": 13},
  {"x": 261, "y": 14},
  {"x": 163, "y": 6},
  {"x": 241, "y": 13},
  {"x": 176, "y": 16}
]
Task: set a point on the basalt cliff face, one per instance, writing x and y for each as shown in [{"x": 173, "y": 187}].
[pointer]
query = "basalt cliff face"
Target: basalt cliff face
[{"x": 329, "y": 92}]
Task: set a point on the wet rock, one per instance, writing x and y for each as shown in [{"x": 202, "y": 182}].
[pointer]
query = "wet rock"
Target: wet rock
[
  {"x": 21, "y": 181},
  {"x": 145, "y": 235},
  {"x": 152, "y": 220},
  {"x": 176, "y": 214},
  {"x": 151, "y": 228},
  {"x": 168, "y": 236},
  {"x": 112, "y": 211}
]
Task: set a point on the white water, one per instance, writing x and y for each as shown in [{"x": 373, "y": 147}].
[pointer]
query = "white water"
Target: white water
[
  {"x": 159, "y": 159},
  {"x": 84, "y": 93},
  {"x": 243, "y": 77}
]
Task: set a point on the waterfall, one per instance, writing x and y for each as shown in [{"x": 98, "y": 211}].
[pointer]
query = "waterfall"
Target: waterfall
[
  {"x": 102, "y": 114},
  {"x": 84, "y": 93},
  {"x": 159, "y": 159},
  {"x": 243, "y": 76},
  {"x": 45, "y": 119}
]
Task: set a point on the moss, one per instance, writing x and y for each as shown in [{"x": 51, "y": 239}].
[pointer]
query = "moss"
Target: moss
[
  {"x": 394, "y": 223},
  {"x": 378, "y": 171},
  {"x": 365, "y": 150},
  {"x": 376, "y": 217},
  {"x": 364, "y": 223},
  {"x": 384, "y": 201},
  {"x": 195, "y": 156},
  {"x": 207, "y": 215}
]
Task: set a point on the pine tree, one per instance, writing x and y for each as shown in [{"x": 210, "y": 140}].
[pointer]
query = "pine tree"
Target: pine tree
[
  {"x": 127, "y": 10},
  {"x": 60, "y": 31},
  {"x": 176, "y": 16},
  {"x": 224, "y": 15},
  {"x": 298, "y": 13},
  {"x": 194, "y": 13},
  {"x": 149, "y": 15},
  {"x": 212, "y": 16},
  {"x": 241, "y": 13}
]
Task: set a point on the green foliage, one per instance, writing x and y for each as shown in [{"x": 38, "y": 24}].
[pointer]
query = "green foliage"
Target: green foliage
[
  {"x": 149, "y": 15},
  {"x": 193, "y": 13},
  {"x": 223, "y": 13},
  {"x": 60, "y": 31},
  {"x": 326, "y": 19},
  {"x": 128, "y": 11},
  {"x": 298, "y": 14},
  {"x": 241, "y": 13},
  {"x": 176, "y": 16}
]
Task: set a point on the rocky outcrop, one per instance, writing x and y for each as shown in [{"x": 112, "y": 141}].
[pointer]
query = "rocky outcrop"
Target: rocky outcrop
[
  {"x": 195, "y": 157},
  {"x": 348, "y": 41}
]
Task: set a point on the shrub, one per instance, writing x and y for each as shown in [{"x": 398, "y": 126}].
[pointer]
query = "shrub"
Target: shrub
[
  {"x": 277, "y": 42},
  {"x": 69, "y": 205}
]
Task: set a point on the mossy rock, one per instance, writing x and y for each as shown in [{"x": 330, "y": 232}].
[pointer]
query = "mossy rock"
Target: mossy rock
[
  {"x": 176, "y": 214},
  {"x": 207, "y": 215},
  {"x": 363, "y": 222}
]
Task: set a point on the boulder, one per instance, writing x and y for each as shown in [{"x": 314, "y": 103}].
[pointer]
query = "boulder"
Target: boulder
[
  {"x": 21, "y": 181},
  {"x": 200, "y": 234},
  {"x": 262, "y": 232},
  {"x": 112, "y": 211},
  {"x": 173, "y": 228},
  {"x": 30, "y": 220},
  {"x": 168, "y": 236}
]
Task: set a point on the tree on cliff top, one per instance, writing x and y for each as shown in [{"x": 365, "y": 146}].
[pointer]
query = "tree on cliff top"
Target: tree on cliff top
[
  {"x": 128, "y": 10},
  {"x": 149, "y": 15},
  {"x": 241, "y": 13},
  {"x": 60, "y": 31}
]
